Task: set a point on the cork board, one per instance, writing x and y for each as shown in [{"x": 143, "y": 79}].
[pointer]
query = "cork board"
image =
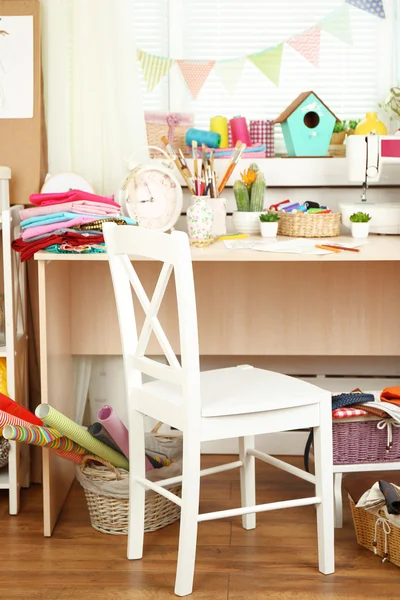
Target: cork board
[{"x": 23, "y": 145}]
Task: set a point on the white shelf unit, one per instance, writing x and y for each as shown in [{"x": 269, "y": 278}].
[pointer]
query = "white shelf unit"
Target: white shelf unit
[{"x": 15, "y": 350}]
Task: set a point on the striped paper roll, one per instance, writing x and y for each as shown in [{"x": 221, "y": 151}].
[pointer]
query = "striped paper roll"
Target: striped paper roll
[
  {"x": 47, "y": 438},
  {"x": 50, "y": 416},
  {"x": 7, "y": 419}
]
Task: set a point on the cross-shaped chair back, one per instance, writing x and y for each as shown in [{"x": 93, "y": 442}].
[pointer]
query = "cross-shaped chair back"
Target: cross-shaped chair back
[{"x": 125, "y": 245}]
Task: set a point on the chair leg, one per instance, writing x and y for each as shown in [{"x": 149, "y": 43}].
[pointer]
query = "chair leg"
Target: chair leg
[
  {"x": 323, "y": 460},
  {"x": 247, "y": 480},
  {"x": 337, "y": 484},
  {"x": 136, "y": 490},
  {"x": 189, "y": 518}
]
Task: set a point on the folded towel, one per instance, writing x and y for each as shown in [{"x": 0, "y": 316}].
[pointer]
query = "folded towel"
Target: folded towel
[
  {"x": 57, "y": 217},
  {"x": 79, "y": 206},
  {"x": 31, "y": 232},
  {"x": 70, "y": 196}
]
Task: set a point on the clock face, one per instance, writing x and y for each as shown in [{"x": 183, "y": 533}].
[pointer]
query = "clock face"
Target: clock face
[{"x": 154, "y": 198}]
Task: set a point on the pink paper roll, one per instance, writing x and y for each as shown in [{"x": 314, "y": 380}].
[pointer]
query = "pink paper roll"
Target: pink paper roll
[
  {"x": 115, "y": 428},
  {"x": 239, "y": 131},
  {"x": 7, "y": 419}
]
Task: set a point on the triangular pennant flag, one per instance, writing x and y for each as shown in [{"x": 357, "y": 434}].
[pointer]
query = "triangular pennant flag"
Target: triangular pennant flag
[
  {"x": 338, "y": 24},
  {"x": 375, "y": 7},
  {"x": 269, "y": 62},
  {"x": 229, "y": 72},
  {"x": 154, "y": 68},
  {"x": 308, "y": 44},
  {"x": 195, "y": 73}
]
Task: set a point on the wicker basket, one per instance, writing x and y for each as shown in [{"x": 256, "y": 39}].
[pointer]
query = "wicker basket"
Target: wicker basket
[
  {"x": 365, "y": 525},
  {"x": 361, "y": 442},
  {"x": 4, "y": 451},
  {"x": 314, "y": 225},
  {"x": 172, "y": 125},
  {"x": 110, "y": 515}
]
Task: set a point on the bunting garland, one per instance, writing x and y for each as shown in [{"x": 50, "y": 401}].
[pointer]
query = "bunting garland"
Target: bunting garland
[{"x": 308, "y": 43}]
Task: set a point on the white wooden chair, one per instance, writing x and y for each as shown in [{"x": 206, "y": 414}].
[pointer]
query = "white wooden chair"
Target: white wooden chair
[{"x": 225, "y": 403}]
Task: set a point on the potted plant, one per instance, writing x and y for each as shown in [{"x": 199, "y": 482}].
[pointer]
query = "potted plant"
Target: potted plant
[
  {"x": 339, "y": 133},
  {"x": 269, "y": 224},
  {"x": 352, "y": 124},
  {"x": 360, "y": 224},
  {"x": 249, "y": 195}
]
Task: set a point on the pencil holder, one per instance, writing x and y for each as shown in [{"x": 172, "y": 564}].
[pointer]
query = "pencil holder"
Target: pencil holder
[
  {"x": 218, "y": 206},
  {"x": 200, "y": 219}
]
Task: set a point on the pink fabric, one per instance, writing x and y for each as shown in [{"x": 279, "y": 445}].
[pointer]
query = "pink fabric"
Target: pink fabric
[
  {"x": 31, "y": 232},
  {"x": 80, "y": 206},
  {"x": 346, "y": 413},
  {"x": 70, "y": 196},
  {"x": 115, "y": 428}
]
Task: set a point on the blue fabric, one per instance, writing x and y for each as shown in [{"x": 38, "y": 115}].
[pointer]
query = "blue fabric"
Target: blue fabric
[{"x": 53, "y": 218}]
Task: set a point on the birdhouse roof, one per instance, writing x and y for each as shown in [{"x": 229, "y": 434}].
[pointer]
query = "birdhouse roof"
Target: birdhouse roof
[{"x": 296, "y": 103}]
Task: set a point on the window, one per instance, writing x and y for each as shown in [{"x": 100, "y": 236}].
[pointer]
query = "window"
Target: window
[{"x": 351, "y": 78}]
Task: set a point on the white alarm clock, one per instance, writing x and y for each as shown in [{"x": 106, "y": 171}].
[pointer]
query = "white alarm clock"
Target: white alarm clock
[{"x": 152, "y": 195}]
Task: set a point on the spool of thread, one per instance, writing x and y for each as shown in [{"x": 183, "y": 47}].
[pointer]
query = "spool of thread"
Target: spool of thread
[
  {"x": 220, "y": 125},
  {"x": 239, "y": 131},
  {"x": 209, "y": 138}
]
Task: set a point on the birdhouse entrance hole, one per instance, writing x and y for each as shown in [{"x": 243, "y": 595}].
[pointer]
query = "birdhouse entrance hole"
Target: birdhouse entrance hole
[{"x": 311, "y": 119}]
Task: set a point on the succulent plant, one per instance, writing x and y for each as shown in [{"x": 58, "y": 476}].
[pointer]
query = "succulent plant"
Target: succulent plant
[
  {"x": 269, "y": 217},
  {"x": 257, "y": 193},
  {"x": 360, "y": 217}
]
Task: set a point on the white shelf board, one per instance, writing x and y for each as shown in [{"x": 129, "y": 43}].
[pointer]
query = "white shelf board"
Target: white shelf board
[
  {"x": 300, "y": 172},
  {"x": 4, "y": 479},
  {"x": 5, "y": 173}
]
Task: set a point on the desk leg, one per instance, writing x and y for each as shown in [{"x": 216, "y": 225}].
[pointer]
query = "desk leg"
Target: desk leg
[{"x": 57, "y": 380}]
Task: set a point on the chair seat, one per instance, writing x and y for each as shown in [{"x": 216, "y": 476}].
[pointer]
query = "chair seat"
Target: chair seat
[{"x": 242, "y": 390}]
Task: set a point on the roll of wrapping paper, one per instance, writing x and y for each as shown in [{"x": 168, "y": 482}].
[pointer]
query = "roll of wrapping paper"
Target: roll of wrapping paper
[
  {"x": 46, "y": 437},
  {"x": 100, "y": 433},
  {"x": 220, "y": 125},
  {"x": 15, "y": 409},
  {"x": 51, "y": 417},
  {"x": 115, "y": 427},
  {"x": 7, "y": 419}
]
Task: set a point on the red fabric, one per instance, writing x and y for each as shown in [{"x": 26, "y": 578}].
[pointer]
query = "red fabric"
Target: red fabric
[
  {"x": 12, "y": 408},
  {"x": 70, "y": 196},
  {"x": 28, "y": 249}
]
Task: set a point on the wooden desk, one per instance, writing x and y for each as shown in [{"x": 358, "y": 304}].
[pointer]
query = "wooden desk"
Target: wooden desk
[{"x": 249, "y": 303}]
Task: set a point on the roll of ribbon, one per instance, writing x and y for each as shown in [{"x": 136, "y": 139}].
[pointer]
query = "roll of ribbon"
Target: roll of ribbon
[
  {"x": 209, "y": 138},
  {"x": 220, "y": 125},
  {"x": 239, "y": 131}
]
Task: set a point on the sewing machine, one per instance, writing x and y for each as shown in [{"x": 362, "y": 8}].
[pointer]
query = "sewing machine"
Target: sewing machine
[{"x": 367, "y": 157}]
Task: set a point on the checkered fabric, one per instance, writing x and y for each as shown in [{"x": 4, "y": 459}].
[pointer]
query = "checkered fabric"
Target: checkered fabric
[
  {"x": 346, "y": 413},
  {"x": 262, "y": 132}
]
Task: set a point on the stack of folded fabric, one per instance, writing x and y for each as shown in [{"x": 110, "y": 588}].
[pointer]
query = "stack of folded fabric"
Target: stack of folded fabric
[{"x": 68, "y": 222}]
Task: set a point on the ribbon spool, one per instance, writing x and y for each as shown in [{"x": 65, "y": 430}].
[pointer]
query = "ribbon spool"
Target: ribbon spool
[{"x": 209, "y": 138}]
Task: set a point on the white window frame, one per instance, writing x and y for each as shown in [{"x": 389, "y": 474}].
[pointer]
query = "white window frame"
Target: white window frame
[{"x": 295, "y": 172}]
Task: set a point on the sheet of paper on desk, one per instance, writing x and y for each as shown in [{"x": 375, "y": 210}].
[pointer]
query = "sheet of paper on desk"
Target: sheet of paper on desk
[{"x": 295, "y": 246}]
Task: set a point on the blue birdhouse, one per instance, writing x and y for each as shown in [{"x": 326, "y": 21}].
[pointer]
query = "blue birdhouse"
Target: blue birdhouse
[{"x": 307, "y": 126}]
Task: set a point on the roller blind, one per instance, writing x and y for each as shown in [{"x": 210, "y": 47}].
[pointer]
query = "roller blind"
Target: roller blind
[{"x": 347, "y": 78}]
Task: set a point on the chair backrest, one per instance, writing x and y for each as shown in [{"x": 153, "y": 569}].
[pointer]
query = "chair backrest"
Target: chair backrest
[{"x": 124, "y": 245}]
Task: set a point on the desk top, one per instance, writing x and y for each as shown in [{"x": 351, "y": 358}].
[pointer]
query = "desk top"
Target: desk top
[{"x": 374, "y": 248}]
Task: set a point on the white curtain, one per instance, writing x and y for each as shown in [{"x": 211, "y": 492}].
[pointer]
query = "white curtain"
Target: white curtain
[{"x": 93, "y": 104}]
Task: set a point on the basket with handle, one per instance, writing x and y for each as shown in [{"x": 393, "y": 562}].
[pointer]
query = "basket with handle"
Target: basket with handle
[
  {"x": 314, "y": 225},
  {"x": 107, "y": 494},
  {"x": 4, "y": 451},
  {"x": 172, "y": 125}
]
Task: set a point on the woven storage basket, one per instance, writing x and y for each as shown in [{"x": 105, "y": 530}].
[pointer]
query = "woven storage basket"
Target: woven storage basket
[
  {"x": 362, "y": 442},
  {"x": 172, "y": 125},
  {"x": 314, "y": 225},
  {"x": 365, "y": 524},
  {"x": 110, "y": 515},
  {"x": 4, "y": 451}
]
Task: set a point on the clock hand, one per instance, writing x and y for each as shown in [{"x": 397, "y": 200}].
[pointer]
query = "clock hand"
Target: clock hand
[{"x": 151, "y": 197}]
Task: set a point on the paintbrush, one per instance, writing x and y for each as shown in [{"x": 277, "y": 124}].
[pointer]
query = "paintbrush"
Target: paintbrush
[
  {"x": 178, "y": 163},
  {"x": 204, "y": 155},
  {"x": 237, "y": 153},
  {"x": 194, "y": 155}
]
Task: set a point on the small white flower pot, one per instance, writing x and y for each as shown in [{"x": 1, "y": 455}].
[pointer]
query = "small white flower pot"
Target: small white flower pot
[
  {"x": 359, "y": 230},
  {"x": 269, "y": 229},
  {"x": 246, "y": 222}
]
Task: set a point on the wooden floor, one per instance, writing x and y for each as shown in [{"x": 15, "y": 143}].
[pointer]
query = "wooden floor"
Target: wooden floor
[{"x": 276, "y": 561}]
